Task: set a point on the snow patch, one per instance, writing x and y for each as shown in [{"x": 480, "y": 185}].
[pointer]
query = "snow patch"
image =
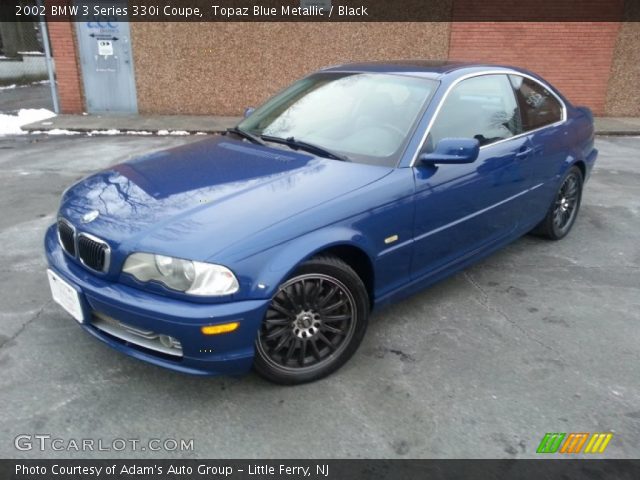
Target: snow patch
[
  {"x": 60, "y": 131},
  {"x": 139, "y": 132},
  {"x": 13, "y": 85},
  {"x": 172, "y": 132},
  {"x": 57, "y": 131},
  {"x": 118, "y": 132},
  {"x": 112, "y": 131},
  {"x": 10, "y": 124}
]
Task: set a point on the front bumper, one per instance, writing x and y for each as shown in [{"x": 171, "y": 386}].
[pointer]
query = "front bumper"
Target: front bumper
[{"x": 226, "y": 354}]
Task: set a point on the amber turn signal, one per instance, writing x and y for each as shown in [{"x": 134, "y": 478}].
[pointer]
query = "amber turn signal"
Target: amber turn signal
[{"x": 218, "y": 329}]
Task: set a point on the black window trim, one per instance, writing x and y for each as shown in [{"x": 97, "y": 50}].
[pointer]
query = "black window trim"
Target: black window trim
[{"x": 506, "y": 73}]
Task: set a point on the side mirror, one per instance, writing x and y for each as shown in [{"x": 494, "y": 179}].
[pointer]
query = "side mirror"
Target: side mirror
[
  {"x": 452, "y": 150},
  {"x": 248, "y": 111}
]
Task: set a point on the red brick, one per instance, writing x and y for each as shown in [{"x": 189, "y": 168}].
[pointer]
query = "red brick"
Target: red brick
[
  {"x": 575, "y": 57},
  {"x": 63, "y": 46}
]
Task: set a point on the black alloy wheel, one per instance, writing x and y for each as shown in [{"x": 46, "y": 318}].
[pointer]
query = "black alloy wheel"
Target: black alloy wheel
[
  {"x": 564, "y": 209},
  {"x": 314, "y": 323},
  {"x": 566, "y": 203}
]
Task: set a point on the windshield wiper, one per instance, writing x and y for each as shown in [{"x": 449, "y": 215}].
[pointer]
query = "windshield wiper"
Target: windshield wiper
[
  {"x": 244, "y": 134},
  {"x": 309, "y": 147}
]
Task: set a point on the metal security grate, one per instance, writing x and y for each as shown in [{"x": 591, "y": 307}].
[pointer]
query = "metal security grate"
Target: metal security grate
[
  {"x": 93, "y": 252},
  {"x": 23, "y": 63},
  {"x": 66, "y": 236}
]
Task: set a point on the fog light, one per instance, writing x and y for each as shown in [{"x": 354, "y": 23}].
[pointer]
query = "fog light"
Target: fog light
[
  {"x": 218, "y": 329},
  {"x": 167, "y": 341}
]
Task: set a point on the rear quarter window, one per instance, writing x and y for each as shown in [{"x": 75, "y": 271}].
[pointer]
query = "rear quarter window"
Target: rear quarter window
[{"x": 538, "y": 106}]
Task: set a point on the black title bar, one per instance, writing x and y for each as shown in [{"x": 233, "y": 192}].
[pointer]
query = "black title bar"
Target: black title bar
[
  {"x": 318, "y": 469},
  {"x": 105, "y": 11}
]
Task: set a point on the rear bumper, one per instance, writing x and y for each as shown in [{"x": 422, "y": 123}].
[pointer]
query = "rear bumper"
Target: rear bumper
[{"x": 226, "y": 354}]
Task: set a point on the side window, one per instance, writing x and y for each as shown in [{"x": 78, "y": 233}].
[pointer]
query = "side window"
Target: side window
[
  {"x": 538, "y": 105},
  {"x": 482, "y": 107}
]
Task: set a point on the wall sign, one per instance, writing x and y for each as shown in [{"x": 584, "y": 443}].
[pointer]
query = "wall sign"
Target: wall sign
[{"x": 105, "y": 47}]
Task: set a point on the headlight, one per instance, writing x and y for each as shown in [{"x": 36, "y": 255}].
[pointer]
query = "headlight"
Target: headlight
[{"x": 194, "y": 278}]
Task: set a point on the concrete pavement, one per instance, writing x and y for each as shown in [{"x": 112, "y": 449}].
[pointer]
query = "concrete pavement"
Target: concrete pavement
[
  {"x": 216, "y": 123},
  {"x": 540, "y": 337},
  {"x": 617, "y": 125},
  {"x": 36, "y": 95},
  {"x": 128, "y": 123}
]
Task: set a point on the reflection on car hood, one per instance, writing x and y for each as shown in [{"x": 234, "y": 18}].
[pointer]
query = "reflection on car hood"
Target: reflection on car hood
[{"x": 214, "y": 193}]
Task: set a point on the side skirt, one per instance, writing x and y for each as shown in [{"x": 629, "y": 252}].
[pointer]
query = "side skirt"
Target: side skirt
[{"x": 420, "y": 283}]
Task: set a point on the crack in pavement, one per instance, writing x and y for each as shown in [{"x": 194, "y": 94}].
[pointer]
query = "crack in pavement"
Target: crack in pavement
[
  {"x": 486, "y": 303},
  {"x": 23, "y": 327}
]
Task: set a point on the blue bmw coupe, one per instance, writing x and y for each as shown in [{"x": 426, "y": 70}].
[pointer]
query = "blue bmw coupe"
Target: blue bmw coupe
[{"x": 269, "y": 246}]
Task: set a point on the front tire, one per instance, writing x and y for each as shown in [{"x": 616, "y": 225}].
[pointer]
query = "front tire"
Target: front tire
[
  {"x": 314, "y": 324},
  {"x": 564, "y": 209}
]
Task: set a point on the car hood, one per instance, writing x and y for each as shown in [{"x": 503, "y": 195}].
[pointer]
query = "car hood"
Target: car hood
[{"x": 198, "y": 199}]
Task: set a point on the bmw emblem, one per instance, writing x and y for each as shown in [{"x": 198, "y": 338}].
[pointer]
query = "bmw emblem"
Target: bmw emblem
[{"x": 90, "y": 216}]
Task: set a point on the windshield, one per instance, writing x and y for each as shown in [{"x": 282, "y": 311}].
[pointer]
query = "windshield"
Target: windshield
[{"x": 365, "y": 117}]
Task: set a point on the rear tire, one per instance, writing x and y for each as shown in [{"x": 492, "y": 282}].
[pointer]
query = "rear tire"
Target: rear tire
[
  {"x": 314, "y": 324},
  {"x": 564, "y": 209}
]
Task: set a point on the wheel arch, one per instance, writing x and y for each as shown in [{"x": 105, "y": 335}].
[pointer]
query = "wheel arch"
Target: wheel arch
[
  {"x": 358, "y": 260},
  {"x": 582, "y": 166},
  {"x": 572, "y": 159},
  {"x": 347, "y": 244}
]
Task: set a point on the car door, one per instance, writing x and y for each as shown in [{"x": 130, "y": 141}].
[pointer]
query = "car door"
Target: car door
[
  {"x": 543, "y": 119},
  {"x": 462, "y": 209}
]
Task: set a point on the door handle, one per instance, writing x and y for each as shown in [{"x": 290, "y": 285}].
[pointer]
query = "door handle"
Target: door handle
[{"x": 524, "y": 153}]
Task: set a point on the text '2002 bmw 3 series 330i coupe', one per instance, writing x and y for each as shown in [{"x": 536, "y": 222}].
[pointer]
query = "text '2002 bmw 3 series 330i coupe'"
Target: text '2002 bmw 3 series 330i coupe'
[{"x": 268, "y": 246}]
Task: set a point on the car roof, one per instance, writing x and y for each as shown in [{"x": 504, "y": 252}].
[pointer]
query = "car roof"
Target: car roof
[{"x": 423, "y": 68}]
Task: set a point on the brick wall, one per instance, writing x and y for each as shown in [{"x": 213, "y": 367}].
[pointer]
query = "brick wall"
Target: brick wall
[
  {"x": 623, "y": 97},
  {"x": 592, "y": 63},
  {"x": 575, "y": 57},
  {"x": 62, "y": 37},
  {"x": 221, "y": 68}
]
